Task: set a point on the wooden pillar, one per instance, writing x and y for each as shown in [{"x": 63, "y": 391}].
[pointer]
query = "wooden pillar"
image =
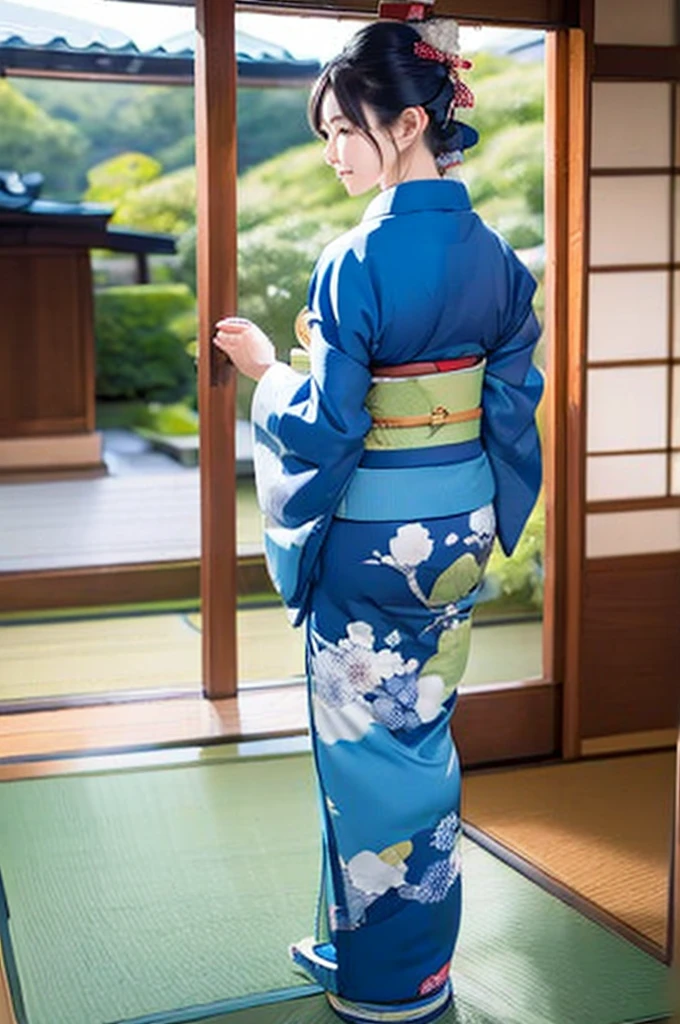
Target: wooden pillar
[
  {"x": 142, "y": 264},
  {"x": 217, "y": 296},
  {"x": 575, "y": 426},
  {"x": 673, "y": 941}
]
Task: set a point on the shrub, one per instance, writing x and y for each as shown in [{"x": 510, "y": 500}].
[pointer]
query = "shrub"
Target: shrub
[
  {"x": 109, "y": 181},
  {"x": 166, "y": 204},
  {"x": 141, "y": 342},
  {"x": 175, "y": 420},
  {"x": 519, "y": 580}
]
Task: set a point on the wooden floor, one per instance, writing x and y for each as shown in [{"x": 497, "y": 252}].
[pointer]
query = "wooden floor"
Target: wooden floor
[
  {"x": 148, "y": 725},
  {"x": 111, "y": 520}
]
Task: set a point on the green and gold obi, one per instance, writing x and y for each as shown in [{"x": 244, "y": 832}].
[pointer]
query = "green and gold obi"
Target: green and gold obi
[
  {"x": 424, "y": 410},
  {"x": 423, "y": 455},
  {"x": 419, "y": 405}
]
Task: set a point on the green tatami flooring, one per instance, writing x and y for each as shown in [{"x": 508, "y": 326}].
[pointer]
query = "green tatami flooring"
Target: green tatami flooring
[{"x": 170, "y": 894}]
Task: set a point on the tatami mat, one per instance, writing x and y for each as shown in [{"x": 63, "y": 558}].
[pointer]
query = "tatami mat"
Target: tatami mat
[
  {"x": 600, "y": 827},
  {"x": 159, "y": 892}
]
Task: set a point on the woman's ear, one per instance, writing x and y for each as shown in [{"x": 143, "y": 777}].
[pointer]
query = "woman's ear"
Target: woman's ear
[{"x": 410, "y": 127}]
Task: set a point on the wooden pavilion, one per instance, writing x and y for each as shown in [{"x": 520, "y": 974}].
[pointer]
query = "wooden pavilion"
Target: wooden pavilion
[{"x": 47, "y": 362}]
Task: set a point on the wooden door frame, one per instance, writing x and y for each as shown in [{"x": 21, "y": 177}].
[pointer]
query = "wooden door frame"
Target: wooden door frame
[
  {"x": 217, "y": 295},
  {"x": 215, "y": 92}
]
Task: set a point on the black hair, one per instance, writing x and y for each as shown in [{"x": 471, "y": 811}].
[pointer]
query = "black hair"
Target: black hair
[{"x": 380, "y": 69}]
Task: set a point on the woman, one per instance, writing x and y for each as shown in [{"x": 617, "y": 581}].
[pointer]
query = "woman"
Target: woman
[{"x": 383, "y": 475}]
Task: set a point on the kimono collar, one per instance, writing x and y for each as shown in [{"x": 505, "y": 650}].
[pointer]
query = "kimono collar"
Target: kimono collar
[{"x": 416, "y": 196}]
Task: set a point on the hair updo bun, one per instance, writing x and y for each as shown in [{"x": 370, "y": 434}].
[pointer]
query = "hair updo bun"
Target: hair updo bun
[{"x": 379, "y": 68}]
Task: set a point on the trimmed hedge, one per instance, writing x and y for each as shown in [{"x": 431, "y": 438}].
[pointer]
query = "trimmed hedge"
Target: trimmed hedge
[{"x": 141, "y": 336}]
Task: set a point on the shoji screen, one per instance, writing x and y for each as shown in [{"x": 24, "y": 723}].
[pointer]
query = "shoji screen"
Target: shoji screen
[
  {"x": 630, "y": 292},
  {"x": 631, "y": 601}
]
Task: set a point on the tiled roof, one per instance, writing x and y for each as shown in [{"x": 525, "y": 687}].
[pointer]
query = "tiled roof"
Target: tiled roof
[{"x": 36, "y": 39}]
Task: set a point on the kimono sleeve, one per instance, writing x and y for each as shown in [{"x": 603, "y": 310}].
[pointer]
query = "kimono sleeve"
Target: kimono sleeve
[
  {"x": 512, "y": 390},
  {"x": 308, "y": 430}
]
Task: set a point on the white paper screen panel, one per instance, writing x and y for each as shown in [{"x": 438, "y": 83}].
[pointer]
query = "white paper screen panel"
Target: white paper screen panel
[
  {"x": 628, "y": 316},
  {"x": 630, "y": 220},
  {"x": 613, "y": 477},
  {"x": 609, "y": 534},
  {"x": 675, "y": 429},
  {"x": 631, "y": 124},
  {"x": 627, "y": 22},
  {"x": 627, "y": 408}
]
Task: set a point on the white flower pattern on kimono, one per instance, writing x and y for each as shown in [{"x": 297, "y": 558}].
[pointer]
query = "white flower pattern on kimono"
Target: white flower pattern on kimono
[
  {"x": 393, "y": 639},
  {"x": 355, "y": 685},
  {"x": 430, "y": 697},
  {"x": 412, "y": 545},
  {"x": 359, "y": 633},
  {"x": 482, "y": 527}
]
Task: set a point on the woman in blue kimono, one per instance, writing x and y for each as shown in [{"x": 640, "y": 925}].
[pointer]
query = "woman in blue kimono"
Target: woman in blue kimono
[{"x": 384, "y": 474}]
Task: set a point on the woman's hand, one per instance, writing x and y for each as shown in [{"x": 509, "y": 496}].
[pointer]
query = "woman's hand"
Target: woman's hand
[{"x": 249, "y": 348}]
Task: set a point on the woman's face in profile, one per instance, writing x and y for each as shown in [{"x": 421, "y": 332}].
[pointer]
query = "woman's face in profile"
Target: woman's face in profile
[{"x": 351, "y": 154}]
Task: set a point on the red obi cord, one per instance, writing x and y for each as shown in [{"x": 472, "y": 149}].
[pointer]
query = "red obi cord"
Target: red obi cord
[{"x": 420, "y": 369}]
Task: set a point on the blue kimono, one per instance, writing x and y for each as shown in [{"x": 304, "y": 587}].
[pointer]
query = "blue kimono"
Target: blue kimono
[{"x": 379, "y": 547}]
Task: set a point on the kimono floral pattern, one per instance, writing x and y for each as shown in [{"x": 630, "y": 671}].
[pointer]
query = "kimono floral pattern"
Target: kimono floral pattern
[
  {"x": 357, "y": 684},
  {"x": 368, "y": 876}
]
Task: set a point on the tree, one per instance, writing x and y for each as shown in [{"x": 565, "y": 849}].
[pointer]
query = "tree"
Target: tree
[
  {"x": 31, "y": 140},
  {"x": 111, "y": 180},
  {"x": 166, "y": 204}
]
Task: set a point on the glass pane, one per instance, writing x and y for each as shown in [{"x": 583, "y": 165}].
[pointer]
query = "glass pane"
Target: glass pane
[
  {"x": 268, "y": 649},
  {"x": 627, "y": 408},
  {"x": 628, "y": 316},
  {"x": 627, "y": 22},
  {"x": 630, "y": 220},
  {"x": 625, "y": 476},
  {"x": 618, "y": 104},
  {"x": 290, "y": 206}
]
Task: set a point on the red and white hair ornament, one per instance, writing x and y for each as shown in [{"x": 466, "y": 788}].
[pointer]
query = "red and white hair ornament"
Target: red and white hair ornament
[
  {"x": 403, "y": 10},
  {"x": 438, "y": 41},
  {"x": 462, "y": 94}
]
